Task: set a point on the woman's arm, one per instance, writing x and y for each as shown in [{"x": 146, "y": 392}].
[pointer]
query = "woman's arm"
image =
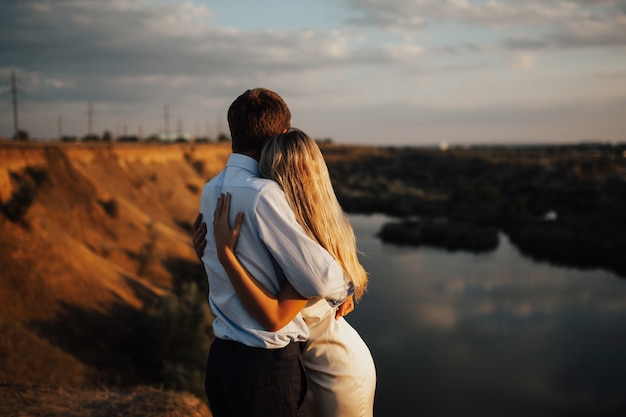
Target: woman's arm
[{"x": 272, "y": 311}]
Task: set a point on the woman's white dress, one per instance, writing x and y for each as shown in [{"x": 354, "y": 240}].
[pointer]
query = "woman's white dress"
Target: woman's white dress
[{"x": 340, "y": 368}]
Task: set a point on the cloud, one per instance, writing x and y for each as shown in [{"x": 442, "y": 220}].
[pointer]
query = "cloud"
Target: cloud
[
  {"x": 524, "y": 60},
  {"x": 417, "y": 14},
  {"x": 491, "y": 12},
  {"x": 100, "y": 46},
  {"x": 592, "y": 32},
  {"x": 458, "y": 59},
  {"x": 560, "y": 24},
  {"x": 121, "y": 38},
  {"x": 123, "y": 53}
]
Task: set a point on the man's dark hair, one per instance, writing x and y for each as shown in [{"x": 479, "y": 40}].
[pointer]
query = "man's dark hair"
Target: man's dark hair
[{"x": 255, "y": 117}]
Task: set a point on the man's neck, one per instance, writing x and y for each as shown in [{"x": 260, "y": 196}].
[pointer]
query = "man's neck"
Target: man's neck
[{"x": 254, "y": 155}]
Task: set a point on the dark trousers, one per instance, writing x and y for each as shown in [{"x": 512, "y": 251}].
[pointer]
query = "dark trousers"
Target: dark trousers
[{"x": 243, "y": 381}]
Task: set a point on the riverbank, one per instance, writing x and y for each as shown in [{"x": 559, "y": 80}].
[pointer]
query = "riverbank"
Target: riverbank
[{"x": 563, "y": 204}]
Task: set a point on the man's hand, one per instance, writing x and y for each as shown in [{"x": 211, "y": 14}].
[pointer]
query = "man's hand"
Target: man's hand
[
  {"x": 199, "y": 236},
  {"x": 345, "y": 308}
]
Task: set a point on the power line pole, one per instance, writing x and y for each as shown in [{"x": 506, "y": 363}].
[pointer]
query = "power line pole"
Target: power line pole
[
  {"x": 89, "y": 118},
  {"x": 166, "y": 121},
  {"x": 16, "y": 123},
  {"x": 219, "y": 127}
]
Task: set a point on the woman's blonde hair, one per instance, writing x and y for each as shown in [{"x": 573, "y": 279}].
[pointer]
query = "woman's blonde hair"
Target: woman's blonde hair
[{"x": 295, "y": 161}]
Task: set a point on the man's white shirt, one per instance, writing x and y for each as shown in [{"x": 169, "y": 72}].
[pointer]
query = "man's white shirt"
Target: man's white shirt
[{"x": 270, "y": 240}]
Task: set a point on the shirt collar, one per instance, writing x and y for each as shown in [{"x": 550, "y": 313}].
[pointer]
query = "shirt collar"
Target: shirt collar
[{"x": 245, "y": 162}]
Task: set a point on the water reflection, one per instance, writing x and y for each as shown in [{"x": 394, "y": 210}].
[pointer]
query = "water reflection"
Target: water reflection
[{"x": 489, "y": 335}]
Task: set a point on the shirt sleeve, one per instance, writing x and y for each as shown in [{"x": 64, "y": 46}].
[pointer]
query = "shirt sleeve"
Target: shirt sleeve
[{"x": 311, "y": 270}]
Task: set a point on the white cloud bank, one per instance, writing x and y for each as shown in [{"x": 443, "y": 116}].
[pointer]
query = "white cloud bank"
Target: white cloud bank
[{"x": 394, "y": 72}]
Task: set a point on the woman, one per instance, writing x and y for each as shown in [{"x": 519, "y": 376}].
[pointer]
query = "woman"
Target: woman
[{"x": 340, "y": 368}]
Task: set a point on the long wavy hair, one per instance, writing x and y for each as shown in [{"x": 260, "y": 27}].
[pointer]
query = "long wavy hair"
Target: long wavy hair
[{"x": 295, "y": 161}]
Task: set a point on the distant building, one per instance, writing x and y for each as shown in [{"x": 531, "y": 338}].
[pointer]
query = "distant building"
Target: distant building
[{"x": 174, "y": 136}]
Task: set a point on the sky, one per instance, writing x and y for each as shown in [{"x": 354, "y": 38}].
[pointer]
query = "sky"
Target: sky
[{"x": 374, "y": 72}]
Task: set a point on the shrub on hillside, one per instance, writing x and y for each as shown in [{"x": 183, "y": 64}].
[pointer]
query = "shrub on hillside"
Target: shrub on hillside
[
  {"x": 21, "y": 200},
  {"x": 27, "y": 187},
  {"x": 194, "y": 188},
  {"x": 178, "y": 339},
  {"x": 198, "y": 166},
  {"x": 146, "y": 254},
  {"x": 110, "y": 207}
]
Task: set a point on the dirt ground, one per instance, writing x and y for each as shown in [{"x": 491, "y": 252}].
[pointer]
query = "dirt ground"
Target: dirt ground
[{"x": 21, "y": 400}]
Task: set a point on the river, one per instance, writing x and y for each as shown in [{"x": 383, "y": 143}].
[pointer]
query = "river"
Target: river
[{"x": 497, "y": 334}]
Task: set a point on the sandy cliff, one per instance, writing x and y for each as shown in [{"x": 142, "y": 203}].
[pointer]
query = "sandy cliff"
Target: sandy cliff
[{"x": 85, "y": 227}]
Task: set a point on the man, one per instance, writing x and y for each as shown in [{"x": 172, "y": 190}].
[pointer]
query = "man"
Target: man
[{"x": 251, "y": 371}]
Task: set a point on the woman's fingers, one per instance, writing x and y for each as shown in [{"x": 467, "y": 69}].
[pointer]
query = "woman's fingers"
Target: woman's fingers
[
  {"x": 238, "y": 221},
  {"x": 226, "y": 201},
  {"x": 197, "y": 222},
  {"x": 217, "y": 214},
  {"x": 234, "y": 232},
  {"x": 224, "y": 234},
  {"x": 346, "y": 308},
  {"x": 199, "y": 229},
  {"x": 199, "y": 233}
]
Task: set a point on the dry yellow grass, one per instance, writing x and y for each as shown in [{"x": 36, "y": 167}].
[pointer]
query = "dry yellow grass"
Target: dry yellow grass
[
  {"x": 98, "y": 237},
  {"x": 22, "y": 400},
  {"x": 72, "y": 250}
]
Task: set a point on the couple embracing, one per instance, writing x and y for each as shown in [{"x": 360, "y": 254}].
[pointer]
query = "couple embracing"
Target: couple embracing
[{"x": 283, "y": 271}]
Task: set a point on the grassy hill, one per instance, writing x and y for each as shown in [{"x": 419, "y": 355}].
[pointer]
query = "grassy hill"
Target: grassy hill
[{"x": 98, "y": 274}]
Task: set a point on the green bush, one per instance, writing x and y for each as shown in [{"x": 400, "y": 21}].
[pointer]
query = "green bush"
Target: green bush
[
  {"x": 179, "y": 337},
  {"x": 146, "y": 254},
  {"x": 21, "y": 135},
  {"x": 38, "y": 174},
  {"x": 24, "y": 195}
]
